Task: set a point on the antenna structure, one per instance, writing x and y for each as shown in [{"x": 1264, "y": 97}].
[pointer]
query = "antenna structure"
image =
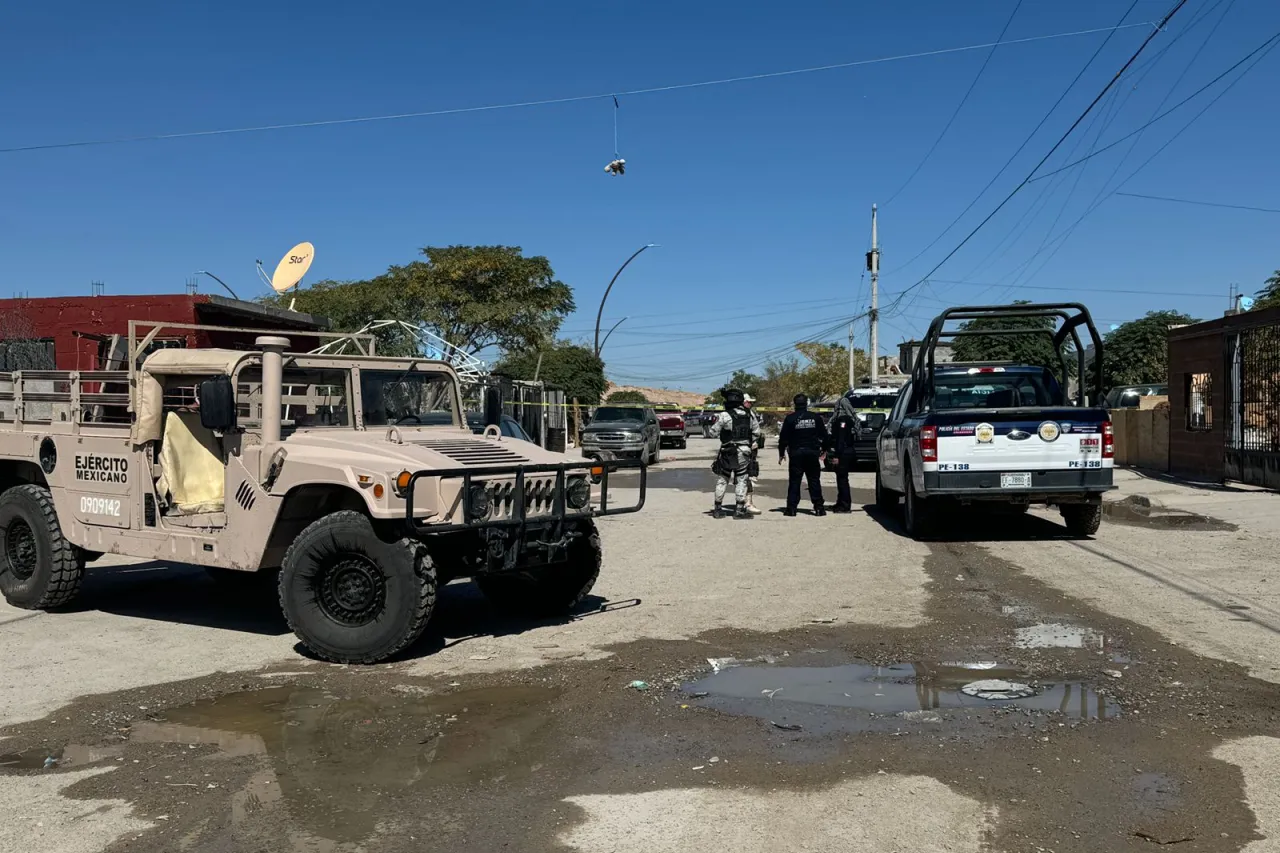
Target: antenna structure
[{"x": 470, "y": 369}]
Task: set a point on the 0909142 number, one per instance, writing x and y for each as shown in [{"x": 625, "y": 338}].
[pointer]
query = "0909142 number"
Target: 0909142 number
[{"x": 99, "y": 506}]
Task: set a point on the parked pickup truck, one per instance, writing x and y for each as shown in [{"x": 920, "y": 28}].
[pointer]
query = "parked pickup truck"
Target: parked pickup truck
[
  {"x": 623, "y": 432},
  {"x": 671, "y": 422},
  {"x": 999, "y": 433}
]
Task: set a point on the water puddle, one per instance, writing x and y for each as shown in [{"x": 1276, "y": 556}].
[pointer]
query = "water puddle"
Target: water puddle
[
  {"x": 337, "y": 766},
  {"x": 1141, "y": 511},
  {"x": 72, "y": 755},
  {"x": 791, "y": 696},
  {"x": 1055, "y": 635}
]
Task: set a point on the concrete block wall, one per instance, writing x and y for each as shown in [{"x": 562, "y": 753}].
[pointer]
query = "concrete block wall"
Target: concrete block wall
[{"x": 1142, "y": 435}]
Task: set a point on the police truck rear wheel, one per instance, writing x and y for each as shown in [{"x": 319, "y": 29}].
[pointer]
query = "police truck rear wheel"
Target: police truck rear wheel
[
  {"x": 917, "y": 514},
  {"x": 351, "y": 596},
  {"x": 552, "y": 590},
  {"x": 39, "y": 568},
  {"x": 1082, "y": 519}
]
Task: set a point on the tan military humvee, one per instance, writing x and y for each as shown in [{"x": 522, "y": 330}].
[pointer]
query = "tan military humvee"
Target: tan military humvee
[{"x": 356, "y": 476}]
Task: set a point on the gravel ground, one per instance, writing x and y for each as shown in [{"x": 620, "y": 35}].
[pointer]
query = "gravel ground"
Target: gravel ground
[{"x": 183, "y": 719}]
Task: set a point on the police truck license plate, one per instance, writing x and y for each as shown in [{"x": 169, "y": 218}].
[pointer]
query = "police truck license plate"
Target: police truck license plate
[
  {"x": 673, "y": 432},
  {"x": 1015, "y": 481}
]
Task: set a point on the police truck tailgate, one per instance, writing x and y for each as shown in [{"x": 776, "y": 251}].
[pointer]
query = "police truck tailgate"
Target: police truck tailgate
[{"x": 1011, "y": 450}]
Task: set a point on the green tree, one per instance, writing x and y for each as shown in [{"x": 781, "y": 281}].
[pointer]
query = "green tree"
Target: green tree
[
  {"x": 1138, "y": 352},
  {"x": 471, "y": 296},
  {"x": 747, "y": 383},
  {"x": 575, "y": 369},
  {"x": 782, "y": 380},
  {"x": 1269, "y": 296},
  {"x": 827, "y": 372},
  {"x": 1033, "y": 348},
  {"x": 624, "y": 397}
]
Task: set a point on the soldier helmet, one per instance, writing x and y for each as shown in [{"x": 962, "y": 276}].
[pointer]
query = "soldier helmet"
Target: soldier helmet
[{"x": 733, "y": 398}]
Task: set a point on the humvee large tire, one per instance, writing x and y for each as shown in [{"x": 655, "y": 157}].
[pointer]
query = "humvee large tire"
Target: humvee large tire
[
  {"x": 352, "y": 597},
  {"x": 39, "y": 568},
  {"x": 548, "y": 590}
]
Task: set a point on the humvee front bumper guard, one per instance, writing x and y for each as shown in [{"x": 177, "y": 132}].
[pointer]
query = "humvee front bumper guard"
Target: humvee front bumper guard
[{"x": 518, "y": 517}]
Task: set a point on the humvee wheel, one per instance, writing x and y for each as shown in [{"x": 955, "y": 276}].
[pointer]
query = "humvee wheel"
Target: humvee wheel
[
  {"x": 39, "y": 568},
  {"x": 352, "y": 597},
  {"x": 548, "y": 590}
]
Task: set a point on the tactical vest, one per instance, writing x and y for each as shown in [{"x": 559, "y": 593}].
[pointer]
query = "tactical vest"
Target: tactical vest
[{"x": 741, "y": 427}]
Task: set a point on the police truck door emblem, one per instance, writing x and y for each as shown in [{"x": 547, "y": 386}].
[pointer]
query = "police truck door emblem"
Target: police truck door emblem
[
  {"x": 985, "y": 433},
  {"x": 1018, "y": 435},
  {"x": 1049, "y": 431}
]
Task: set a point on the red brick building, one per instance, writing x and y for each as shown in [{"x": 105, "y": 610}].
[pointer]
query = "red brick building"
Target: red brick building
[
  {"x": 91, "y": 332},
  {"x": 1224, "y": 399}
]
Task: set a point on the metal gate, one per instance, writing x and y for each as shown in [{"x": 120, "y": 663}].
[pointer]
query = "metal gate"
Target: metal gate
[{"x": 1253, "y": 405}]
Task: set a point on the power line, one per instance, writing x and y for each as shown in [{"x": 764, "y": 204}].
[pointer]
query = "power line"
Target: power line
[
  {"x": 1159, "y": 28},
  {"x": 760, "y": 358},
  {"x": 1074, "y": 289},
  {"x": 1201, "y": 203},
  {"x": 1021, "y": 147},
  {"x": 1023, "y": 277},
  {"x": 720, "y": 318},
  {"x": 1060, "y": 239},
  {"x": 551, "y": 101},
  {"x": 1264, "y": 46},
  {"x": 1141, "y": 70},
  {"x": 959, "y": 106}
]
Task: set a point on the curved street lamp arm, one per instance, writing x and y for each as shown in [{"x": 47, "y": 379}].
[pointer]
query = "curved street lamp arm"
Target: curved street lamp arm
[
  {"x": 600, "y": 312},
  {"x": 610, "y": 332}
]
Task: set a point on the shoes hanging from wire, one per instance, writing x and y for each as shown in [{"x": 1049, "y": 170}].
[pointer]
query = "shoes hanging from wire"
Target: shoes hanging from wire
[{"x": 617, "y": 166}]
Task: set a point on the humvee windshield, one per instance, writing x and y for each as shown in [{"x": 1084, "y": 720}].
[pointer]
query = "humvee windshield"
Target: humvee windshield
[{"x": 406, "y": 397}]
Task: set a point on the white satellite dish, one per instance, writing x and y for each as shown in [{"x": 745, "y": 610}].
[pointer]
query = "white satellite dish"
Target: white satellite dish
[{"x": 292, "y": 267}]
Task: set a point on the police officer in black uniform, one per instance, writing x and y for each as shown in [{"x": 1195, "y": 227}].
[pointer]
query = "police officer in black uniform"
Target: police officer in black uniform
[
  {"x": 845, "y": 427},
  {"x": 804, "y": 434}
]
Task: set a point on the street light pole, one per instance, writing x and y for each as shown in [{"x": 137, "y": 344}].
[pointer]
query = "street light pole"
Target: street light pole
[
  {"x": 610, "y": 332},
  {"x": 600, "y": 313},
  {"x": 219, "y": 281}
]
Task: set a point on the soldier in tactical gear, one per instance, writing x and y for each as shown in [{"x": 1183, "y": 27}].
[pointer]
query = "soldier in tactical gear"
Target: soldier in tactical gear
[
  {"x": 738, "y": 433},
  {"x": 804, "y": 433}
]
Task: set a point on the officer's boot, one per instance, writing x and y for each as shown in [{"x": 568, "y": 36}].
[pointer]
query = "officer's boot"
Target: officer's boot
[
  {"x": 819, "y": 509},
  {"x": 718, "y": 512},
  {"x": 741, "y": 511}
]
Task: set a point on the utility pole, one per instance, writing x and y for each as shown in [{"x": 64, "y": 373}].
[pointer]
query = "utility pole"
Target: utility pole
[
  {"x": 853, "y": 379},
  {"x": 873, "y": 266}
]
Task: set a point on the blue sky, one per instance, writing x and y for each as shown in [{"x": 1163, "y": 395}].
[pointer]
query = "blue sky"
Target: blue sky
[{"x": 758, "y": 192}]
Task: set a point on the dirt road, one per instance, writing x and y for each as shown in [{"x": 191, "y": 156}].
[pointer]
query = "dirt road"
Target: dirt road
[{"x": 767, "y": 685}]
